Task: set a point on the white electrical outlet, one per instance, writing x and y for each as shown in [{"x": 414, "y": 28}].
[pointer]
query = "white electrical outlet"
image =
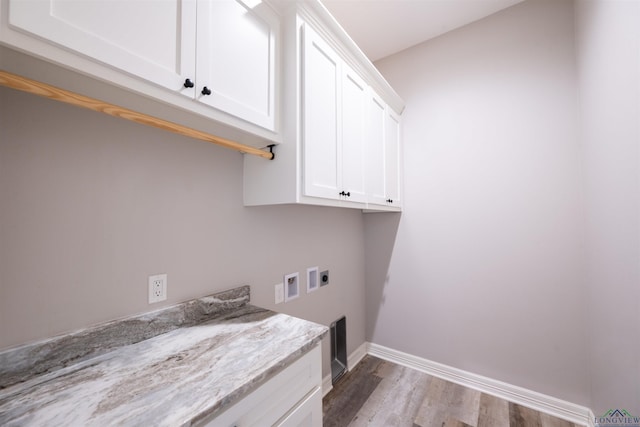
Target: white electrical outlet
[{"x": 157, "y": 288}]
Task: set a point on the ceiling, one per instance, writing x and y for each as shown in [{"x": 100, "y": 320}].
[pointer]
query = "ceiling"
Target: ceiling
[{"x": 383, "y": 27}]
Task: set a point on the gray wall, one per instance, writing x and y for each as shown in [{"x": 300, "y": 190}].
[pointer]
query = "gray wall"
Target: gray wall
[
  {"x": 608, "y": 46},
  {"x": 518, "y": 254},
  {"x": 486, "y": 269},
  {"x": 92, "y": 205}
]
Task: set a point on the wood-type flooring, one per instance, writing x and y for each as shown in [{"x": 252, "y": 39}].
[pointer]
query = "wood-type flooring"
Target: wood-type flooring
[{"x": 378, "y": 393}]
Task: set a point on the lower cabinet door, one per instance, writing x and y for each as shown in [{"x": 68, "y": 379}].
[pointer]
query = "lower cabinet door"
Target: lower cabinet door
[
  {"x": 307, "y": 414},
  {"x": 294, "y": 392}
]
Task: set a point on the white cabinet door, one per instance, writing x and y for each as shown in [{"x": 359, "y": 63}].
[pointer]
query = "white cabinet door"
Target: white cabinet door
[
  {"x": 376, "y": 179},
  {"x": 236, "y": 59},
  {"x": 392, "y": 158},
  {"x": 354, "y": 134},
  {"x": 321, "y": 117},
  {"x": 383, "y": 154},
  {"x": 291, "y": 398},
  {"x": 151, "y": 40},
  {"x": 334, "y": 124},
  {"x": 308, "y": 414}
]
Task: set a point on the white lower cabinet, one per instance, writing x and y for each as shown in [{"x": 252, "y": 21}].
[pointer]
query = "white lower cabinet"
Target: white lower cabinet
[
  {"x": 307, "y": 414},
  {"x": 291, "y": 398}
]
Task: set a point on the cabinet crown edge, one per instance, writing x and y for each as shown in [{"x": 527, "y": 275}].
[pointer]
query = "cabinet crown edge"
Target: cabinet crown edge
[{"x": 316, "y": 14}]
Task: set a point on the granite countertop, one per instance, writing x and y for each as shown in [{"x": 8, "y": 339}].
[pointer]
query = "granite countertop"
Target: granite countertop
[{"x": 173, "y": 367}]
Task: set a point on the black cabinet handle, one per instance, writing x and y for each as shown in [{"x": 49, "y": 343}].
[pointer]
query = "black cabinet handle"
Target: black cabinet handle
[
  {"x": 206, "y": 91},
  {"x": 389, "y": 201},
  {"x": 188, "y": 83},
  {"x": 342, "y": 193}
]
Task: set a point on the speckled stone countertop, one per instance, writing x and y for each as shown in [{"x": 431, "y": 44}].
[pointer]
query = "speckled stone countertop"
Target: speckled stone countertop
[{"x": 172, "y": 367}]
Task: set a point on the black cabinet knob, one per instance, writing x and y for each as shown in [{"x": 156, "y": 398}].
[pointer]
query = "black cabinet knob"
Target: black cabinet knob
[
  {"x": 188, "y": 83},
  {"x": 206, "y": 91},
  {"x": 389, "y": 201},
  {"x": 342, "y": 193}
]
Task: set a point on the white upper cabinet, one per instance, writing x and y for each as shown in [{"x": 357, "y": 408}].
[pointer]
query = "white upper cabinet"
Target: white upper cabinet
[
  {"x": 383, "y": 154},
  {"x": 341, "y": 133},
  {"x": 334, "y": 120},
  {"x": 154, "y": 41},
  {"x": 254, "y": 71},
  {"x": 321, "y": 115},
  {"x": 190, "y": 54},
  {"x": 354, "y": 135},
  {"x": 376, "y": 189},
  {"x": 393, "y": 168},
  {"x": 236, "y": 59}
]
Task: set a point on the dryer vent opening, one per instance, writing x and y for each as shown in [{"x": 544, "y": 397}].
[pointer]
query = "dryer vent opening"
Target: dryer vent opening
[{"x": 338, "y": 349}]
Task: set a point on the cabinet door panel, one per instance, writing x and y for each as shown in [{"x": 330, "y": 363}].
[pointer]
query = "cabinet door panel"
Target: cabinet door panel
[
  {"x": 392, "y": 158},
  {"x": 154, "y": 41},
  {"x": 308, "y": 414},
  {"x": 321, "y": 117},
  {"x": 236, "y": 59},
  {"x": 292, "y": 397},
  {"x": 376, "y": 151},
  {"x": 354, "y": 109}
]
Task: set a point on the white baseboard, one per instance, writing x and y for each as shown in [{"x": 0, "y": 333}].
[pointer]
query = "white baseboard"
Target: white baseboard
[
  {"x": 358, "y": 354},
  {"x": 540, "y": 402},
  {"x": 352, "y": 360},
  {"x": 327, "y": 385}
]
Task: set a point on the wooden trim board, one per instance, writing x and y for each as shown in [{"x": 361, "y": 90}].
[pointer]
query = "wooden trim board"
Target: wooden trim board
[{"x": 24, "y": 84}]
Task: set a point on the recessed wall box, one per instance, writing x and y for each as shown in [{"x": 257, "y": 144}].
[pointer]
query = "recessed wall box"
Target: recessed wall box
[
  {"x": 312, "y": 279},
  {"x": 291, "y": 286},
  {"x": 338, "y": 334}
]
